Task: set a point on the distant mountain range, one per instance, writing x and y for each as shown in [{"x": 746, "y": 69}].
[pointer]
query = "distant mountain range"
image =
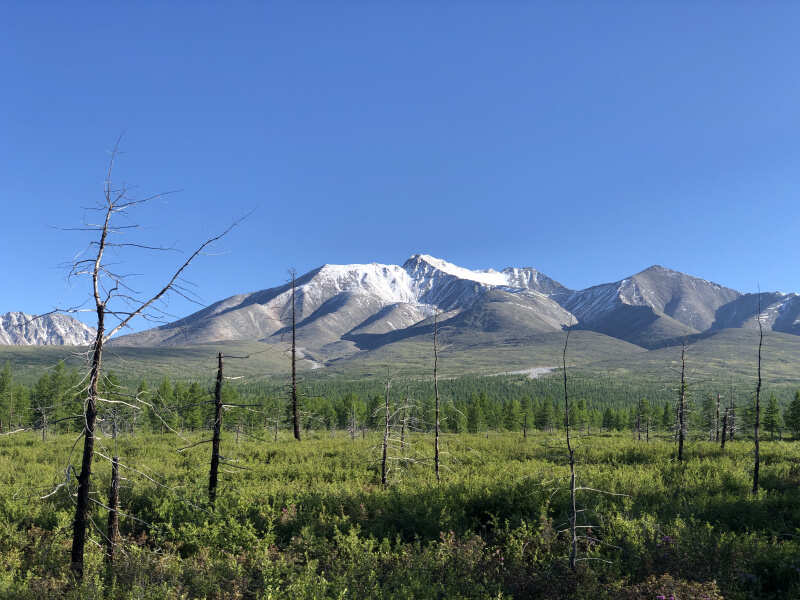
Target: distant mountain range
[
  {"x": 20, "y": 329},
  {"x": 343, "y": 310}
]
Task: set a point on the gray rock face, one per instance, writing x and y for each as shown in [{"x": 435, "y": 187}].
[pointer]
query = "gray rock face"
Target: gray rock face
[
  {"x": 20, "y": 329},
  {"x": 344, "y": 308},
  {"x": 779, "y": 312}
]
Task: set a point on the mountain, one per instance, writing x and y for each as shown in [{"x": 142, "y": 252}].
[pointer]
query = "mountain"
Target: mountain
[
  {"x": 20, "y": 329},
  {"x": 339, "y": 307},
  {"x": 779, "y": 312},
  {"x": 651, "y": 307},
  {"x": 346, "y": 311}
]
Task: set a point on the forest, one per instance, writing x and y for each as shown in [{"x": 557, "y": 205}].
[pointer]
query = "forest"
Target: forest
[{"x": 474, "y": 404}]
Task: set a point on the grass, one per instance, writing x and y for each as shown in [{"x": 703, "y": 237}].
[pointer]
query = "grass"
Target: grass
[{"x": 310, "y": 520}]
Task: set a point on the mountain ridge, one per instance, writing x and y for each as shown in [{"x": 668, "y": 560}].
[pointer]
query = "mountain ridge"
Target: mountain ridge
[
  {"x": 21, "y": 329},
  {"x": 343, "y": 310},
  {"x": 342, "y": 306}
]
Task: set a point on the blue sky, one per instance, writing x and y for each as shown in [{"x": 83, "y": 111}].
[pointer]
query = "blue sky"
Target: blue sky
[{"x": 587, "y": 140}]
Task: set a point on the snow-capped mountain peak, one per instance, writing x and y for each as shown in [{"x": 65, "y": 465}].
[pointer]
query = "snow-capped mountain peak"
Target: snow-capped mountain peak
[
  {"x": 425, "y": 264},
  {"x": 21, "y": 329}
]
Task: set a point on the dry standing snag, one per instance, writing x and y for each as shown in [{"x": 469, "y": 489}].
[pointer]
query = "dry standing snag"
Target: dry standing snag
[{"x": 112, "y": 298}]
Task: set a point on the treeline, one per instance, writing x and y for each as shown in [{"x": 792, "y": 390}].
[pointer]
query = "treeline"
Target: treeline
[{"x": 471, "y": 404}]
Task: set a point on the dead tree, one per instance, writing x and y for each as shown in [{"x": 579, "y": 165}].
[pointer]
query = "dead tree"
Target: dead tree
[
  {"x": 112, "y": 529},
  {"x": 757, "y": 422},
  {"x": 639, "y": 420},
  {"x": 295, "y": 416},
  {"x": 682, "y": 404},
  {"x": 404, "y": 424},
  {"x": 731, "y": 415},
  {"x": 107, "y": 286},
  {"x": 716, "y": 421},
  {"x": 436, "y": 392},
  {"x": 385, "y": 432},
  {"x": 573, "y": 516},
  {"x": 353, "y": 424},
  {"x": 724, "y": 429},
  {"x": 215, "y": 439}
]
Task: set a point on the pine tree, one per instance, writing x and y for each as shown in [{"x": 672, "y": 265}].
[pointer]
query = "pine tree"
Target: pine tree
[
  {"x": 792, "y": 416},
  {"x": 474, "y": 416},
  {"x": 772, "y": 416},
  {"x": 545, "y": 415},
  {"x": 749, "y": 416},
  {"x": 667, "y": 418},
  {"x": 578, "y": 416},
  {"x": 511, "y": 418},
  {"x": 609, "y": 420}
]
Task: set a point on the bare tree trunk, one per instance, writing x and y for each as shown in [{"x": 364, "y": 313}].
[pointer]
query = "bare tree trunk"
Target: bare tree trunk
[
  {"x": 639, "y": 421},
  {"x": 525, "y": 427},
  {"x": 112, "y": 534},
  {"x": 732, "y": 415},
  {"x": 403, "y": 428},
  {"x": 295, "y": 417},
  {"x": 213, "y": 474},
  {"x": 682, "y": 405},
  {"x": 757, "y": 424},
  {"x": 724, "y": 428},
  {"x": 436, "y": 393},
  {"x": 353, "y": 422},
  {"x": 385, "y": 434},
  {"x": 716, "y": 421},
  {"x": 89, "y": 418},
  {"x": 573, "y": 517}
]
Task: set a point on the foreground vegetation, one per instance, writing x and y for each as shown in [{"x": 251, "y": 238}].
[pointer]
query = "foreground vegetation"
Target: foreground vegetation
[{"x": 309, "y": 519}]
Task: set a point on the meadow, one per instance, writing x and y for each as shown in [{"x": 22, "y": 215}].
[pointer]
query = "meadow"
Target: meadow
[{"x": 310, "y": 519}]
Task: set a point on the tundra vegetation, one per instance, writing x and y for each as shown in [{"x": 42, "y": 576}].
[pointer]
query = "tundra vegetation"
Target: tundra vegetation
[{"x": 312, "y": 519}]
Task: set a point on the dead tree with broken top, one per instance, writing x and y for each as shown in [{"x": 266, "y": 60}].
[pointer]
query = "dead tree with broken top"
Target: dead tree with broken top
[
  {"x": 757, "y": 421},
  {"x": 436, "y": 393},
  {"x": 112, "y": 529},
  {"x": 386, "y": 430},
  {"x": 295, "y": 408},
  {"x": 213, "y": 474},
  {"x": 682, "y": 405},
  {"x": 573, "y": 516}
]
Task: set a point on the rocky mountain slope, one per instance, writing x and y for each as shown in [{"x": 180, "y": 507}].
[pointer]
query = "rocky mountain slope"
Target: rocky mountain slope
[
  {"x": 339, "y": 305},
  {"x": 346, "y": 309},
  {"x": 20, "y": 329}
]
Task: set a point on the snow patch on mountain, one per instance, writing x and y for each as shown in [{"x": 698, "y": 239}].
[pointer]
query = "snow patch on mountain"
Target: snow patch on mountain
[{"x": 488, "y": 277}]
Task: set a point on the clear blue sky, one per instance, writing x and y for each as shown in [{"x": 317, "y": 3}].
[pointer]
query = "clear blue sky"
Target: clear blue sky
[{"x": 587, "y": 140}]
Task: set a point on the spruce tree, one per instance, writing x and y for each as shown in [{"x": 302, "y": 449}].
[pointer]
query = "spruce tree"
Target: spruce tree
[
  {"x": 474, "y": 416},
  {"x": 792, "y": 416},
  {"x": 772, "y": 416}
]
